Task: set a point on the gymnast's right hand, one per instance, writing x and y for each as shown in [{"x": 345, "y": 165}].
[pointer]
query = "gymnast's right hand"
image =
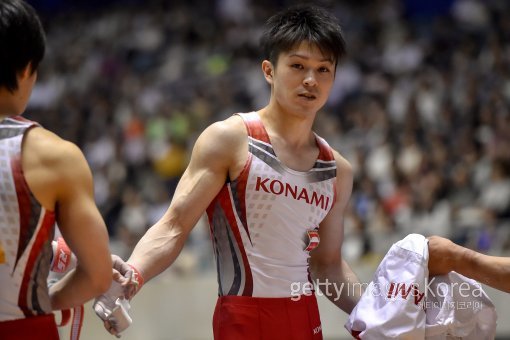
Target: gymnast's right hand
[
  {"x": 112, "y": 307},
  {"x": 129, "y": 277}
]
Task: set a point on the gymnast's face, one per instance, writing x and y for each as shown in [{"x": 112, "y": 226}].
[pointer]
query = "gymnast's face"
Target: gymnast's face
[{"x": 301, "y": 80}]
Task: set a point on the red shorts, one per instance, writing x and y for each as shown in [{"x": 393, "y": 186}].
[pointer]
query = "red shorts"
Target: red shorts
[
  {"x": 252, "y": 318},
  {"x": 37, "y": 327}
]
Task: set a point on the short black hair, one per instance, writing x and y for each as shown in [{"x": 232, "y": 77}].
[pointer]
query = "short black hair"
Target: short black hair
[
  {"x": 22, "y": 41},
  {"x": 310, "y": 23}
]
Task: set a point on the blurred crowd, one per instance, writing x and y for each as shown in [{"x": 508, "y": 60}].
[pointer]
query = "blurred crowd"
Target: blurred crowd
[{"x": 420, "y": 108}]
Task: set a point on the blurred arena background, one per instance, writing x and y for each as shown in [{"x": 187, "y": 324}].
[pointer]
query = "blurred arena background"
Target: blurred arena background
[{"x": 420, "y": 108}]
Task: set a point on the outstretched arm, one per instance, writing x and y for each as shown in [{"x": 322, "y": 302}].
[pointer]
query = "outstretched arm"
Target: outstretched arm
[
  {"x": 446, "y": 256},
  {"x": 336, "y": 279},
  {"x": 206, "y": 174},
  {"x": 220, "y": 152}
]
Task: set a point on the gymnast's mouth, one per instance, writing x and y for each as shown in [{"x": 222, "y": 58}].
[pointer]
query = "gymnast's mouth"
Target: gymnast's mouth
[{"x": 307, "y": 95}]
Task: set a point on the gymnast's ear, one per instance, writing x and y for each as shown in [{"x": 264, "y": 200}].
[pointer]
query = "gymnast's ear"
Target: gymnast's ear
[{"x": 267, "y": 69}]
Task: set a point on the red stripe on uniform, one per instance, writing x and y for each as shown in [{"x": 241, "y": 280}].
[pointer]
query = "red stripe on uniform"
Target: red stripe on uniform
[
  {"x": 255, "y": 127},
  {"x": 325, "y": 153},
  {"x": 226, "y": 205},
  {"x": 42, "y": 237}
]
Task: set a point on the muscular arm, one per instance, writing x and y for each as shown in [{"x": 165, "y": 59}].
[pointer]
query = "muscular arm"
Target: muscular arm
[
  {"x": 211, "y": 159},
  {"x": 327, "y": 265},
  {"x": 60, "y": 178},
  {"x": 446, "y": 256}
]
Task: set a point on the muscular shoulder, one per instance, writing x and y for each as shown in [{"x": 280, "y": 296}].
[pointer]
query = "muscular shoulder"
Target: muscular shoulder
[
  {"x": 52, "y": 165},
  {"x": 222, "y": 141},
  {"x": 228, "y": 132},
  {"x": 48, "y": 149}
]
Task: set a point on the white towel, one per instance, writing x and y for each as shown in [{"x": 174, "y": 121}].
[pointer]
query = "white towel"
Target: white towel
[
  {"x": 457, "y": 307},
  {"x": 401, "y": 302}
]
